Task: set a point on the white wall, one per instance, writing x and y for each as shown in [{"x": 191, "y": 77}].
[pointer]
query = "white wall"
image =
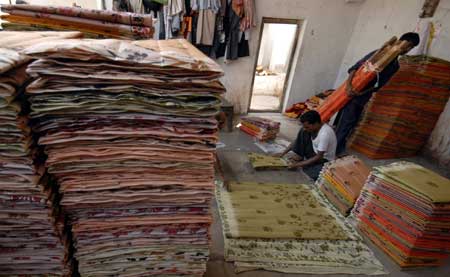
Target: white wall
[
  {"x": 328, "y": 29},
  {"x": 379, "y": 20}
]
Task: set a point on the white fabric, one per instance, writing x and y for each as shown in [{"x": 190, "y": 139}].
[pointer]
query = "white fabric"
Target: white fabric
[{"x": 325, "y": 141}]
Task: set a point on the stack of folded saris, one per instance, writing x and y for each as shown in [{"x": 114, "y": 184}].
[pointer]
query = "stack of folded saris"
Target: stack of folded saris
[
  {"x": 341, "y": 181},
  {"x": 130, "y": 131},
  {"x": 404, "y": 208},
  {"x": 98, "y": 22},
  {"x": 261, "y": 128},
  {"x": 32, "y": 236},
  {"x": 401, "y": 116}
]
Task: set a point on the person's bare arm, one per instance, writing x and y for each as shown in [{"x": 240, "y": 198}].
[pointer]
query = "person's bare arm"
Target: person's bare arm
[
  {"x": 310, "y": 161},
  {"x": 289, "y": 148},
  {"x": 348, "y": 85}
]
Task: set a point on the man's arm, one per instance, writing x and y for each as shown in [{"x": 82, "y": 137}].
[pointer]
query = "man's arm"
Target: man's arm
[
  {"x": 310, "y": 161},
  {"x": 289, "y": 148}
]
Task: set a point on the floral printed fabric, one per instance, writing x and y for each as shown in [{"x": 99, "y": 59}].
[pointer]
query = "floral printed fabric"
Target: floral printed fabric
[
  {"x": 321, "y": 256},
  {"x": 278, "y": 211},
  {"x": 265, "y": 162}
]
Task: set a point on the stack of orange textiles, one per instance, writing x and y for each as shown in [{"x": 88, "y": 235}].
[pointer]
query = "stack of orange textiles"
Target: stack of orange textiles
[
  {"x": 261, "y": 128},
  {"x": 401, "y": 116},
  {"x": 341, "y": 181}
]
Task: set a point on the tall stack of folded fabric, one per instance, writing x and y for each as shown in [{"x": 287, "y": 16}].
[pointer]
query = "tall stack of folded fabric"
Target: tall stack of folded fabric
[
  {"x": 261, "y": 128},
  {"x": 95, "y": 22},
  {"x": 130, "y": 131},
  {"x": 341, "y": 181},
  {"x": 32, "y": 236},
  {"x": 405, "y": 210},
  {"x": 400, "y": 117}
]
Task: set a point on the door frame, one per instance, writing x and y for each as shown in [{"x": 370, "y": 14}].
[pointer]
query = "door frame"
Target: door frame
[{"x": 273, "y": 20}]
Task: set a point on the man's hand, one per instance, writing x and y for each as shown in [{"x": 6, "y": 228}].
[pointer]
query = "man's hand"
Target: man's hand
[
  {"x": 295, "y": 165},
  {"x": 348, "y": 85},
  {"x": 278, "y": 155}
]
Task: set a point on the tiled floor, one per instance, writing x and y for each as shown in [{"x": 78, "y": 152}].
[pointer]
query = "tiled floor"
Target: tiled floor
[{"x": 236, "y": 167}]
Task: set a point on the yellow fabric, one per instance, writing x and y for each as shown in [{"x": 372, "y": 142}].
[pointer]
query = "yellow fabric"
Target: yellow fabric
[
  {"x": 340, "y": 188},
  {"x": 278, "y": 211},
  {"x": 260, "y": 161},
  {"x": 418, "y": 180}
]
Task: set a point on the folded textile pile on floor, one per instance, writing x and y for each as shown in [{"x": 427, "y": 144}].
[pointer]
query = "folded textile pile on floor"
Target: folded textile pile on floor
[
  {"x": 400, "y": 117},
  {"x": 99, "y": 22},
  {"x": 261, "y": 128},
  {"x": 312, "y": 103},
  {"x": 32, "y": 236},
  {"x": 289, "y": 228},
  {"x": 341, "y": 181},
  {"x": 405, "y": 210},
  {"x": 130, "y": 131}
]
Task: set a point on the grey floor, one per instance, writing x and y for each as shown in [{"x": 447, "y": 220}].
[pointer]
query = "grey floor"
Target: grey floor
[{"x": 236, "y": 168}]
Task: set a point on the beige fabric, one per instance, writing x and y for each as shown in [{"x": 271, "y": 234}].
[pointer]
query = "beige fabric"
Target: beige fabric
[
  {"x": 278, "y": 211},
  {"x": 205, "y": 27}
]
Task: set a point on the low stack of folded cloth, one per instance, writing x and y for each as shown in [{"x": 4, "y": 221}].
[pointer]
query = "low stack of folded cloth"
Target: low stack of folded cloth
[
  {"x": 33, "y": 241},
  {"x": 401, "y": 116},
  {"x": 261, "y": 128},
  {"x": 404, "y": 208},
  {"x": 94, "y": 22},
  {"x": 341, "y": 181}
]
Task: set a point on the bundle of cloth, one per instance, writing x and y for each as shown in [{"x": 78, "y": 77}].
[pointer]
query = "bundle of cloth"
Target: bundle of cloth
[
  {"x": 129, "y": 129},
  {"x": 296, "y": 110},
  {"x": 404, "y": 209},
  {"x": 261, "y": 128},
  {"x": 341, "y": 182},
  {"x": 33, "y": 240},
  {"x": 401, "y": 116},
  {"x": 106, "y": 23}
]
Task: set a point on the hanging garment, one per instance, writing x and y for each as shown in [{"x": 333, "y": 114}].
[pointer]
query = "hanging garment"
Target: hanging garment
[
  {"x": 205, "y": 27},
  {"x": 136, "y": 6},
  {"x": 198, "y": 5},
  {"x": 232, "y": 49},
  {"x": 249, "y": 19}
]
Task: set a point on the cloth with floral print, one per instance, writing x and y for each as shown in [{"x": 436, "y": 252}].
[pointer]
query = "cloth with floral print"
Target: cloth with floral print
[
  {"x": 278, "y": 211},
  {"x": 310, "y": 256}
]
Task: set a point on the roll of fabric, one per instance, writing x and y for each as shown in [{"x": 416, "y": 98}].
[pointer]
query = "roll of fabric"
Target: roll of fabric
[
  {"x": 401, "y": 116},
  {"x": 105, "y": 23},
  {"x": 404, "y": 209}
]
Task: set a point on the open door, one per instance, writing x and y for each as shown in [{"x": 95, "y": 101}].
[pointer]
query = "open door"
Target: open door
[{"x": 277, "y": 44}]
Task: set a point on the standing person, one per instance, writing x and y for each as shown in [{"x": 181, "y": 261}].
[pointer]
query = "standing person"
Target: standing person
[
  {"x": 349, "y": 115},
  {"x": 314, "y": 146}
]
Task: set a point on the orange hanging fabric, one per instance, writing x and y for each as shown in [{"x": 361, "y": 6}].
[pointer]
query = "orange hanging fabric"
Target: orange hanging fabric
[{"x": 366, "y": 73}]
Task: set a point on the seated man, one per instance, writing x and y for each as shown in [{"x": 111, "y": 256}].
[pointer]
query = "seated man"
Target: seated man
[{"x": 315, "y": 145}]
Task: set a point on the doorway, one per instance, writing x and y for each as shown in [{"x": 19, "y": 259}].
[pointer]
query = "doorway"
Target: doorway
[{"x": 277, "y": 44}]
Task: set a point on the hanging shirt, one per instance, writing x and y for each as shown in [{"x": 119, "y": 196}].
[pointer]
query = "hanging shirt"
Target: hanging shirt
[
  {"x": 214, "y": 5},
  {"x": 325, "y": 141}
]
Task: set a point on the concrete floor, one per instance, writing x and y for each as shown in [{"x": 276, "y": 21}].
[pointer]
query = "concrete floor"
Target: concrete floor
[{"x": 236, "y": 168}]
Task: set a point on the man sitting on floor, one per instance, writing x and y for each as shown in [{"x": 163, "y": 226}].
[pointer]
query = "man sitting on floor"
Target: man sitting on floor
[{"x": 314, "y": 146}]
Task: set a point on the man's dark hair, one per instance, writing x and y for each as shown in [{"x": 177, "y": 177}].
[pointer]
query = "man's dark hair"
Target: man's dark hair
[
  {"x": 311, "y": 117},
  {"x": 411, "y": 37}
]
